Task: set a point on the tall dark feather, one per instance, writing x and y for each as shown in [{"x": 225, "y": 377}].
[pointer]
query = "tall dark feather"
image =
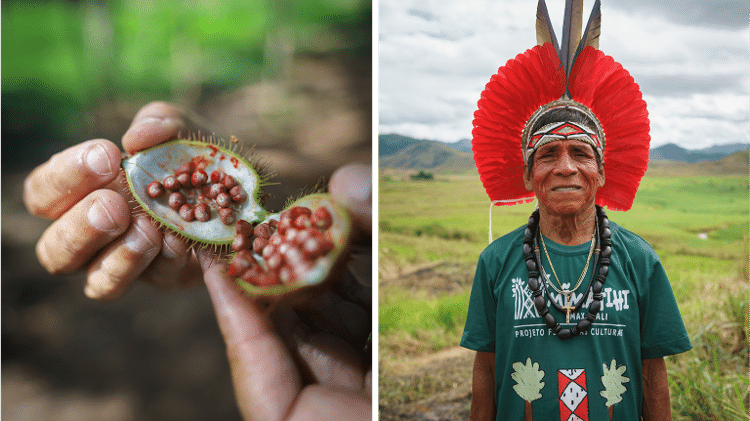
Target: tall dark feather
[
  {"x": 544, "y": 30},
  {"x": 593, "y": 30},
  {"x": 572, "y": 25}
]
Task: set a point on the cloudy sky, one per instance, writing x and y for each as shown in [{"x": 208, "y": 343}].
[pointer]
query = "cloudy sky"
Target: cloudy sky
[{"x": 690, "y": 58}]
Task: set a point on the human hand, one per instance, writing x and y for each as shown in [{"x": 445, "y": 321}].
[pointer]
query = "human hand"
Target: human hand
[
  {"x": 307, "y": 363},
  {"x": 95, "y": 228}
]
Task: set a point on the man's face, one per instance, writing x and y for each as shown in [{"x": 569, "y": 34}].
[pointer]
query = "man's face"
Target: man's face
[{"x": 565, "y": 176}]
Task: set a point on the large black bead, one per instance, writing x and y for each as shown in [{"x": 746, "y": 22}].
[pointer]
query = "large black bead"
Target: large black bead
[
  {"x": 604, "y": 270},
  {"x": 533, "y": 284},
  {"x": 526, "y": 248},
  {"x": 564, "y": 334},
  {"x": 597, "y": 287},
  {"x": 539, "y": 303},
  {"x": 583, "y": 325},
  {"x": 607, "y": 251},
  {"x": 591, "y": 317},
  {"x": 595, "y": 306},
  {"x": 549, "y": 320},
  {"x": 530, "y": 265},
  {"x": 606, "y": 233},
  {"x": 527, "y": 233},
  {"x": 604, "y": 222}
]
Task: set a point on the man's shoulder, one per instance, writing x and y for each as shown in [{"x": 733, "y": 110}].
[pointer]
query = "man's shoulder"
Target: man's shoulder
[
  {"x": 502, "y": 245},
  {"x": 632, "y": 242}
]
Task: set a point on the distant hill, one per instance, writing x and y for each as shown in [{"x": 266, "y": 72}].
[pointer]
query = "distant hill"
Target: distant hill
[
  {"x": 397, "y": 151},
  {"x": 672, "y": 152},
  {"x": 734, "y": 164},
  {"x": 389, "y": 144},
  {"x": 429, "y": 155}
]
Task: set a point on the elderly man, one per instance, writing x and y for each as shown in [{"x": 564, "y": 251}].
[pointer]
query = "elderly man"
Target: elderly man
[{"x": 571, "y": 315}]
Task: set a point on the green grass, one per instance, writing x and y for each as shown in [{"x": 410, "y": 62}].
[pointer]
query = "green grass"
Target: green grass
[{"x": 697, "y": 225}]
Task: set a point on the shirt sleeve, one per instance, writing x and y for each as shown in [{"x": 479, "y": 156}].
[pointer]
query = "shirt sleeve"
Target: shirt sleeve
[
  {"x": 479, "y": 331},
  {"x": 662, "y": 329}
]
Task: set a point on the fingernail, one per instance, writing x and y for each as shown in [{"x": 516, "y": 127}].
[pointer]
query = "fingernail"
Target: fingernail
[
  {"x": 100, "y": 218},
  {"x": 98, "y": 161},
  {"x": 167, "y": 250},
  {"x": 137, "y": 240}
]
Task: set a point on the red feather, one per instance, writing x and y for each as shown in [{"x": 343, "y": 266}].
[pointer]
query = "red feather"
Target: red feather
[
  {"x": 608, "y": 90},
  {"x": 524, "y": 84}
]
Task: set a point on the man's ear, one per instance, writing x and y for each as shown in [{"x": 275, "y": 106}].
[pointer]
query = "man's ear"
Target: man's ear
[{"x": 527, "y": 178}]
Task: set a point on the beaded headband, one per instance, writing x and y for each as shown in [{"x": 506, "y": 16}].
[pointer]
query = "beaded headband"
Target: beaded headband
[
  {"x": 577, "y": 76},
  {"x": 562, "y": 130}
]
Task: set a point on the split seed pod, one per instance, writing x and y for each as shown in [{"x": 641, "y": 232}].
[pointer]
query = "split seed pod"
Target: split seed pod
[{"x": 220, "y": 197}]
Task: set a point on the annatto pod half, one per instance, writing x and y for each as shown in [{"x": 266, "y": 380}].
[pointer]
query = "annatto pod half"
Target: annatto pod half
[
  {"x": 210, "y": 195},
  {"x": 293, "y": 250}
]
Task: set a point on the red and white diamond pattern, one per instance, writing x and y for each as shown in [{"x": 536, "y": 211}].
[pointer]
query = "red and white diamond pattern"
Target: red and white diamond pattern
[{"x": 574, "y": 402}]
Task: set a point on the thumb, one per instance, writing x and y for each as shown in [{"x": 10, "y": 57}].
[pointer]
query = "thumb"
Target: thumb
[{"x": 266, "y": 380}]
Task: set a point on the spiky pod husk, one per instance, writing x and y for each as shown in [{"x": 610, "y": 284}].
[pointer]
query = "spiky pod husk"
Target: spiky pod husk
[
  {"x": 158, "y": 162},
  {"x": 325, "y": 268}
]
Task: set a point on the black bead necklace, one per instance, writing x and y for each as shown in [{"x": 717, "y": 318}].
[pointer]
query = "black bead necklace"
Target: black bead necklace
[{"x": 538, "y": 285}]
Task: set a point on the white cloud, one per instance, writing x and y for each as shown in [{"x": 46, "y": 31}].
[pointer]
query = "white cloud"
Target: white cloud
[{"x": 436, "y": 57}]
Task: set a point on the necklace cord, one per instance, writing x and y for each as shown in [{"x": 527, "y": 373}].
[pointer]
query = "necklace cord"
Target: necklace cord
[{"x": 538, "y": 286}]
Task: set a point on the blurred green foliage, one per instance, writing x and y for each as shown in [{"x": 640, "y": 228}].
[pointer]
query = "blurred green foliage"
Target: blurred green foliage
[{"x": 62, "y": 59}]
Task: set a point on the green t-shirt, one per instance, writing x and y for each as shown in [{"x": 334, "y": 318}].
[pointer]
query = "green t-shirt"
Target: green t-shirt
[{"x": 585, "y": 375}]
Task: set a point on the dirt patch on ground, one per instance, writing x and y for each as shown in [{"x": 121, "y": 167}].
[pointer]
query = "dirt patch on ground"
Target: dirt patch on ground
[{"x": 446, "y": 374}]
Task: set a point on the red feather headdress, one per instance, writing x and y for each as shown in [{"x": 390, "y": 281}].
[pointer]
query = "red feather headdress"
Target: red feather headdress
[{"x": 538, "y": 80}]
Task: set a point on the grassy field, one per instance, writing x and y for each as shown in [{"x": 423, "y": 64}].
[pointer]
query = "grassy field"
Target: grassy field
[{"x": 697, "y": 225}]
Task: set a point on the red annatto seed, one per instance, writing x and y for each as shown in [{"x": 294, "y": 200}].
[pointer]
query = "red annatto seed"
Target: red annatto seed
[
  {"x": 263, "y": 231},
  {"x": 187, "y": 212},
  {"x": 321, "y": 218},
  {"x": 171, "y": 183},
  {"x": 228, "y": 181},
  {"x": 276, "y": 239},
  {"x": 199, "y": 178},
  {"x": 216, "y": 176},
  {"x": 202, "y": 212},
  {"x": 241, "y": 243},
  {"x": 303, "y": 235},
  {"x": 284, "y": 224},
  {"x": 274, "y": 261},
  {"x": 251, "y": 275},
  {"x": 290, "y": 234},
  {"x": 286, "y": 275},
  {"x": 266, "y": 279},
  {"x": 184, "y": 180},
  {"x": 227, "y": 216},
  {"x": 302, "y": 222},
  {"x": 215, "y": 189},
  {"x": 243, "y": 228},
  {"x": 223, "y": 200},
  {"x": 259, "y": 244},
  {"x": 241, "y": 262},
  {"x": 269, "y": 251},
  {"x": 176, "y": 200},
  {"x": 238, "y": 195},
  {"x": 155, "y": 189},
  {"x": 293, "y": 256},
  {"x": 186, "y": 168}
]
